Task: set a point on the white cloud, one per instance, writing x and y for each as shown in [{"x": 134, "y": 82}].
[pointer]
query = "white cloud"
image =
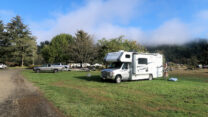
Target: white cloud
[
  {"x": 110, "y": 19},
  {"x": 96, "y": 17},
  {"x": 203, "y": 15},
  {"x": 171, "y": 32},
  {"x": 110, "y": 31},
  {"x": 200, "y": 24}
]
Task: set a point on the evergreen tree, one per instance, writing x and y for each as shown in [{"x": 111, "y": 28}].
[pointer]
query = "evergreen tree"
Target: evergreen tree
[
  {"x": 22, "y": 43},
  {"x": 4, "y": 44},
  {"x": 1, "y": 41},
  {"x": 83, "y": 49}
]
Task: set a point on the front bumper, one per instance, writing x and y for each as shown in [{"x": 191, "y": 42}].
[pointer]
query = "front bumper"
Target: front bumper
[{"x": 106, "y": 75}]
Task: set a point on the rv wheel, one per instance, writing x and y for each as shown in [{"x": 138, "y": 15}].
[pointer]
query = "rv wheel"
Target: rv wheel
[
  {"x": 118, "y": 79},
  {"x": 150, "y": 77}
]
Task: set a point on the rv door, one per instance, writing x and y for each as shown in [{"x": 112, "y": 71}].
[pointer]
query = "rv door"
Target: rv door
[
  {"x": 125, "y": 71},
  {"x": 142, "y": 65}
]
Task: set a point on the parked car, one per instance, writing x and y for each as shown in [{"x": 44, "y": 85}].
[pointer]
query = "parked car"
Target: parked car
[
  {"x": 65, "y": 67},
  {"x": 48, "y": 67},
  {"x": 205, "y": 66},
  {"x": 3, "y": 66}
]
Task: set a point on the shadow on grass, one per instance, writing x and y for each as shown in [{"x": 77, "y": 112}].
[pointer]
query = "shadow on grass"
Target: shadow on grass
[
  {"x": 94, "y": 78},
  {"x": 97, "y": 78}
]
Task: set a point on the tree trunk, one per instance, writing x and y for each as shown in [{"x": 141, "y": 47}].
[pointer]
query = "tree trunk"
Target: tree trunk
[
  {"x": 33, "y": 61},
  {"x": 81, "y": 65},
  {"x": 22, "y": 62}
]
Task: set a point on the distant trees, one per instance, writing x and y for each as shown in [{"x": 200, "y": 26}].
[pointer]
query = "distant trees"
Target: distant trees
[
  {"x": 192, "y": 53},
  {"x": 17, "y": 44},
  {"x": 104, "y": 46},
  {"x": 81, "y": 48},
  {"x": 57, "y": 50}
]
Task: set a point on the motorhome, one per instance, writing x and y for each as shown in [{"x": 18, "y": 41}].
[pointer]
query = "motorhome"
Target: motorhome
[{"x": 124, "y": 65}]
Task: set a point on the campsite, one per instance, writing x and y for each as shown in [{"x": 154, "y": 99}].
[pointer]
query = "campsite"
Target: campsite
[
  {"x": 103, "y": 58},
  {"x": 75, "y": 94}
]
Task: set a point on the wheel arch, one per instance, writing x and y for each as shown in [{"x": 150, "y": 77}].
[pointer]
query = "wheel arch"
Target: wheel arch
[{"x": 118, "y": 75}]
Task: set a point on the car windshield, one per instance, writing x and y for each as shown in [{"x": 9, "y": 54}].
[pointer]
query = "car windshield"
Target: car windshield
[
  {"x": 115, "y": 65},
  {"x": 45, "y": 65}
]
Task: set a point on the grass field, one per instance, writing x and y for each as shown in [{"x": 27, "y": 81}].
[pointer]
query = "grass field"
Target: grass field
[{"x": 80, "y": 96}]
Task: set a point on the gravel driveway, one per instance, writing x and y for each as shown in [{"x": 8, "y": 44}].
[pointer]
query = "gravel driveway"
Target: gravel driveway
[{"x": 19, "y": 98}]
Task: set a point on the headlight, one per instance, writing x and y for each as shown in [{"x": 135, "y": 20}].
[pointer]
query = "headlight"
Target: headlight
[{"x": 111, "y": 73}]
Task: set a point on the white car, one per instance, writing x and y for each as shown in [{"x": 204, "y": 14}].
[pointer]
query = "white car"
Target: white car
[{"x": 3, "y": 66}]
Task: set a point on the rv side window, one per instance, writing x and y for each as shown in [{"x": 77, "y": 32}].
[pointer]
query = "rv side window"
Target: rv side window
[
  {"x": 127, "y": 56},
  {"x": 142, "y": 61}
]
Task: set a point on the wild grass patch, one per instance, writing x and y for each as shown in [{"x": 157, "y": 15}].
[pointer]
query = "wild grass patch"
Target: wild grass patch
[{"x": 78, "y": 95}]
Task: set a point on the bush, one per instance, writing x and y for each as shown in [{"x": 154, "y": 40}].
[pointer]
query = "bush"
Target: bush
[{"x": 32, "y": 66}]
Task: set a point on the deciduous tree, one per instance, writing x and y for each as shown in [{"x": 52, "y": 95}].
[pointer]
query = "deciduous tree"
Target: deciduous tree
[
  {"x": 57, "y": 51},
  {"x": 105, "y": 46}
]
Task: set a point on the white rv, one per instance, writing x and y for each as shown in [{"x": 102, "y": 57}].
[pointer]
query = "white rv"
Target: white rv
[{"x": 132, "y": 66}]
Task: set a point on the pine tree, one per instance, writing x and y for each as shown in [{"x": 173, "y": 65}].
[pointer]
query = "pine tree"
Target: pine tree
[
  {"x": 4, "y": 43},
  {"x": 1, "y": 40},
  {"x": 83, "y": 48},
  {"x": 22, "y": 43}
]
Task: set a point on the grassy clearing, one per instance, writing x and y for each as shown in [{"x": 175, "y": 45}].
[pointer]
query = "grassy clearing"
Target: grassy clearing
[{"x": 78, "y": 95}]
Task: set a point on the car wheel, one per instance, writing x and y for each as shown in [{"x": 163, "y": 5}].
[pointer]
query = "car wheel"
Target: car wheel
[
  {"x": 118, "y": 79},
  {"x": 37, "y": 71},
  {"x": 150, "y": 77},
  {"x": 55, "y": 70}
]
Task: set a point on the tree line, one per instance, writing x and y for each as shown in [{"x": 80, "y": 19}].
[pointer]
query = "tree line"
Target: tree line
[
  {"x": 81, "y": 48},
  {"x": 192, "y": 53},
  {"x": 18, "y": 46}
]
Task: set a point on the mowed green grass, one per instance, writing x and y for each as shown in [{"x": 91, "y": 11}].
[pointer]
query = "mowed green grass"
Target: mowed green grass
[{"x": 77, "y": 95}]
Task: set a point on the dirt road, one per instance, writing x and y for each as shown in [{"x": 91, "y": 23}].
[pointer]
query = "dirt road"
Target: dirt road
[{"x": 19, "y": 98}]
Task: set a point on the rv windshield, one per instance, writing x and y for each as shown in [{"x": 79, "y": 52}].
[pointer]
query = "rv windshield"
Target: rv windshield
[{"x": 115, "y": 65}]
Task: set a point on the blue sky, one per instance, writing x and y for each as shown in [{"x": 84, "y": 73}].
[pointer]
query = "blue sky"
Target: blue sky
[{"x": 147, "y": 21}]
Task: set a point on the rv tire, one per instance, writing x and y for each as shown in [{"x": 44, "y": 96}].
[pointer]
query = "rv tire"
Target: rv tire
[
  {"x": 118, "y": 79},
  {"x": 150, "y": 77}
]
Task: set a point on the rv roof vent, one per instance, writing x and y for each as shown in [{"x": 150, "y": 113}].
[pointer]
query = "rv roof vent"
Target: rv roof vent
[{"x": 121, "y": 50}]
